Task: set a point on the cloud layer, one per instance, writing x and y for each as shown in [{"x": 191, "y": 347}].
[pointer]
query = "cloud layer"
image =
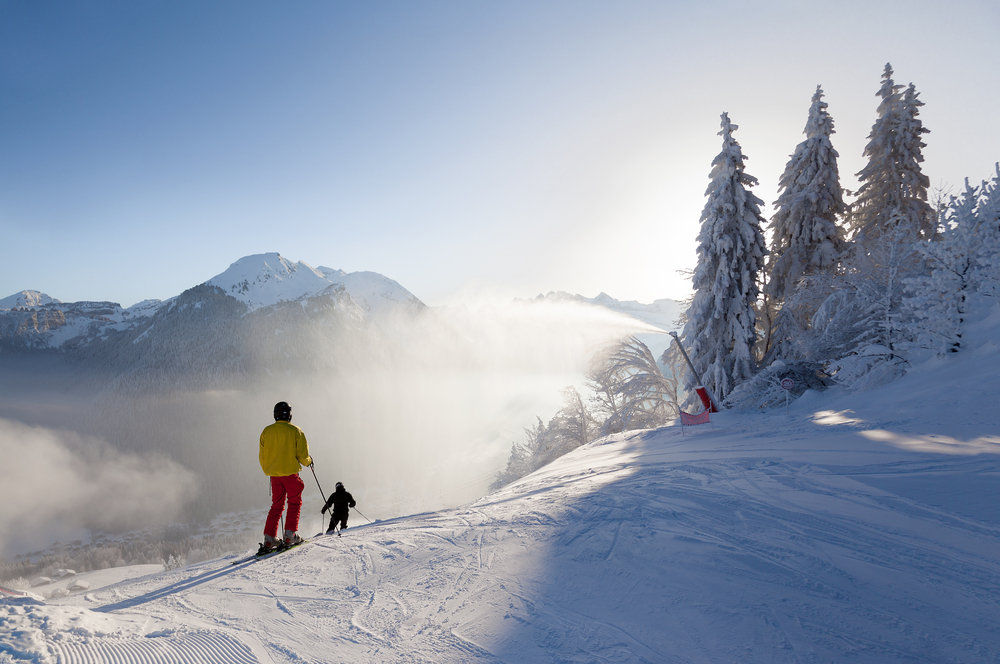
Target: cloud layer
[{"x": 51, "y": 477}]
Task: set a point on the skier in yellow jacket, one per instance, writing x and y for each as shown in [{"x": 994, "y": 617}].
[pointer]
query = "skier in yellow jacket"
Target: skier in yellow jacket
[{"x": 283, "y": 449}]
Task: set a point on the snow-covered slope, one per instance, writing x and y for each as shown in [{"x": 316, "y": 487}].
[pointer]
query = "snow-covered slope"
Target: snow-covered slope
[
  {"x": 856, "y": 528},
  {"x": 376, "y": 294}
]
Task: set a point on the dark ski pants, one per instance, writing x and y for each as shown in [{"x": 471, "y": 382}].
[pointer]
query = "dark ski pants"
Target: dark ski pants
[
  {"x": 342, "y": 518},
  {"x": 289, "y": 486}
]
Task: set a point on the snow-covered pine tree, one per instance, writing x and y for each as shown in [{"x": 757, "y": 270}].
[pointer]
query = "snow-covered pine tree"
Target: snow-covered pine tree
[
  {"x": 962, "y": 261},
  {"x": 918, "y": 214},
  {"x": 989, "y": 217},
  {"x": 806, "y": 237},
  {"x": 721, "y": 320},
  {"x": 893, "y": 188},
  {"x": 939, "y": 299}
]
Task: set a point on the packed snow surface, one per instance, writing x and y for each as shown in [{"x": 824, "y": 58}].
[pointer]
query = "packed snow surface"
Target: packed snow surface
[{"x": 855, "y": 528}]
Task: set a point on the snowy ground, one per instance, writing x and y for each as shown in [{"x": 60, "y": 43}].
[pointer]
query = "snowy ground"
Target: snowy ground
[{"x": 860, "y": 528}]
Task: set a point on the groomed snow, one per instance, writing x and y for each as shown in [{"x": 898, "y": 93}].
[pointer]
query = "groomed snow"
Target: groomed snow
[{"x": 856, "y": 528}]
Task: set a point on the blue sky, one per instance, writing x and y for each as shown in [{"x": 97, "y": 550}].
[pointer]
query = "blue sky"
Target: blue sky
[{"x": 462, "y": 148}]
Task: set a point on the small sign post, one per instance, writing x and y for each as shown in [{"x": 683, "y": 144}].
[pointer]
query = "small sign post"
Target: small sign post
[{"x": 787, "y": 384}]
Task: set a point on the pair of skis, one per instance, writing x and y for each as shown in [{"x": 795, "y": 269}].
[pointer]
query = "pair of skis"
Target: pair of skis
[{"x": 262, "y": 553}]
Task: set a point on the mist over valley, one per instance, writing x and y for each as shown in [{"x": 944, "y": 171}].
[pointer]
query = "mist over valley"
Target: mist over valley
[{"x": 151, "y": 414}]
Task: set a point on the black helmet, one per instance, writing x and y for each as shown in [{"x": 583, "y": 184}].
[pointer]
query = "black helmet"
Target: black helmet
[
  {"x": 282, "y": 411},
  {"x": 340, "y": 485}
]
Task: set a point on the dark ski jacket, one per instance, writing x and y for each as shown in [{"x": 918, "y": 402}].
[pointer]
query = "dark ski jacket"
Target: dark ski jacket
[{"x": 341, "y": 500}]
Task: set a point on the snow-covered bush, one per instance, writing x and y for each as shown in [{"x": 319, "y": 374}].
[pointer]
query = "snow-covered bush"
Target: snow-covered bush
[
  {"x": 173, "y": 563},
  {"x": 865, "y": 322},
  {"x": 764, "y": 390},
  {"x": 18, "y": 583},
  {"x": 871, "y": 366}
]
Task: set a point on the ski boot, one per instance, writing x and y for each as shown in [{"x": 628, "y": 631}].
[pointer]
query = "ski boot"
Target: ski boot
[{"x": 271, "y": 543}]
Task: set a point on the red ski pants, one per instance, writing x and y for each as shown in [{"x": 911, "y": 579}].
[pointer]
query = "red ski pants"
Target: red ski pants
[{"x": 289, "y": 486}]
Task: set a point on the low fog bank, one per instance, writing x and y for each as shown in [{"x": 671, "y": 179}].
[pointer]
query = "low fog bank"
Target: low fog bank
[
  {"x": 56, "y": 481},
  {"x": 415, "y": 413}
]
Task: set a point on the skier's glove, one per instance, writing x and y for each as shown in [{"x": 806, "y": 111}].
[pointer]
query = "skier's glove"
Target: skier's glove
[{"x": 323, "y": 511}]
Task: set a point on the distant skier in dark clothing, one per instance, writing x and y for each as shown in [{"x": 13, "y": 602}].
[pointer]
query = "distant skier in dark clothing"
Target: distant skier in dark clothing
[{"x": 341, "y": 502}]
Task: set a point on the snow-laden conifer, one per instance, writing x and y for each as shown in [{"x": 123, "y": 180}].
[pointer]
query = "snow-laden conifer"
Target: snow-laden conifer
[
  {"x": 806, "y": 237},
  {"x": 961, "y": 262},
  {"x": 939, "y": 299},
  {"x": 721, "y": 320},
  {"x": 988, "y": 213},
  {"x": 893, "y": 187}
]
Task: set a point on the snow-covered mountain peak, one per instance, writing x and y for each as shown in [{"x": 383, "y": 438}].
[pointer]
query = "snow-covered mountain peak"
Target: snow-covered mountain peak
[
  {"x": 27, "y": 298},
  {"x": 262, "y": 280}
]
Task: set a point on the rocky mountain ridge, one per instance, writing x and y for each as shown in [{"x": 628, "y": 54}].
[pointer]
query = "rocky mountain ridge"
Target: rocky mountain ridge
[{"x": 34, "y": 321}]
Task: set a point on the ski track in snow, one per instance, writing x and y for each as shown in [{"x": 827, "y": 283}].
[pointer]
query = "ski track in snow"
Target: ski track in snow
[{"x": 194, "y": 647}]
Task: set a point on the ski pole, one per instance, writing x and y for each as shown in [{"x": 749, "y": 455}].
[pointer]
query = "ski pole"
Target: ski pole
[
  {"x": 320, "y": 493},
  {"x": 359, "y": 512},
  {"x": 317, "y": 483}
]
